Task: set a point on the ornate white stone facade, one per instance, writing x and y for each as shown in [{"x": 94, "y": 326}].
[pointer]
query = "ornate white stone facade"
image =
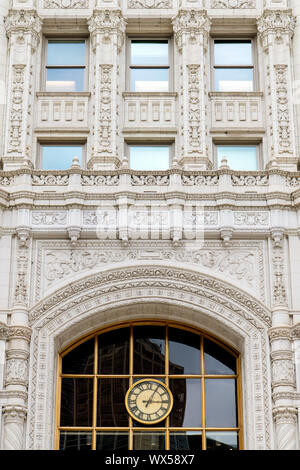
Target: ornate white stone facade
[{"x": 88, "y": 247}]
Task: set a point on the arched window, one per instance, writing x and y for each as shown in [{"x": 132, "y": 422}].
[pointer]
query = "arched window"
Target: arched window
[{"x": 149, "y": 386}]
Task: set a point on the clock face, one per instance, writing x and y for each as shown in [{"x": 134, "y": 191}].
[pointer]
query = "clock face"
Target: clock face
[{"x": 149, "y": 401}]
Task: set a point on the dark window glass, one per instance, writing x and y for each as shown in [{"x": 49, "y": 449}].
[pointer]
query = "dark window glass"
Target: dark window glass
[
  {"x": 219, "y": 440},
  {"x": 111, "y": 410},
  {"x": 112, "y": 441},
  {"x": 113, "y": 352},
  {"x": 188, "y": 440},
  {"x": 80, "y": 360},
  {"x": 220, "y": 403},
  {"x": 186, "y": 410},
  {"x": 76, "y": 402},
  {"x": 184, "y": 352},
  {"x": 149, "y": 350},
  {"x": 148, "y": 441},
  {"x": 217, "y": 360},
  {"x": 75, "y": 440}
]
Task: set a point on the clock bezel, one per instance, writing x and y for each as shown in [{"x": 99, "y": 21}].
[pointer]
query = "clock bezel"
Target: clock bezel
[{"x": 157, "y": 420}]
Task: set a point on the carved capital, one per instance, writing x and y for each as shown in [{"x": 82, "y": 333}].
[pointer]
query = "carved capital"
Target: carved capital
[
  {"x": 195, "y": 23},
  {"x": 74, "y": 234},
  {"x": 22, "y": 22},
  {"x": 20, "y": 332},
  {"x": 13, "y": 413},
  {"x": 107, "y": 23},
  {"x": 285, "y": 415},
  {"x": 282, "y": 333},
  {"x": 273, "y": 25}
]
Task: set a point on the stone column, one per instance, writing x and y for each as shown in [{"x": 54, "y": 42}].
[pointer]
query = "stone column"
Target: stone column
[
  {"x": 275, "y": 30},
  {"x": 295, "y": 5},
  {"x": 23, "y": 30},
  {"x": 4, "y": 6},
  {"x": 107, "y": 29},
  {"x": 282, "y": 357},
  {"x": 191, "y": 29},
  {"x": 17, "y": 353}
]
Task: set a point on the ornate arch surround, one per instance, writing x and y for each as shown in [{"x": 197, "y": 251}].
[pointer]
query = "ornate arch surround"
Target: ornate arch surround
[{"x": 153, "y": 293}]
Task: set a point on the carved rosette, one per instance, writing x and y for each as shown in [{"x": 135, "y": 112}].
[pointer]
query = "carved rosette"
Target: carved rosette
[
  {"x": 274, "y": 25},
  {"x": 107, "y": 23},
  {"x": 194, "y": 24}
]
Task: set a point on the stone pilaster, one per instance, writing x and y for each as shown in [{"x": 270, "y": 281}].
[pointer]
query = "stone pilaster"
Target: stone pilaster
[
  {"x": 275, "y": 30},
  {"x": 107, "y": 29},
  {"x": 17, "y": 352},
  {"x": 23, "y": 29},
  {"x": 191, "y": 29}
]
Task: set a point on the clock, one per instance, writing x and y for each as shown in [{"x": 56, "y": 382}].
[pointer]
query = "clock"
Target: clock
[{"x": 149, "y": 401}]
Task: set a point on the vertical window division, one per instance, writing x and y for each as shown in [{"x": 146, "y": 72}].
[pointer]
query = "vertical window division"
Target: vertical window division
[
  {"x": 149, "y": 65},
  {"x": 60, "y": 156},
  {"x": 239, "y": 157},
  {"x": 233, "y": 65},
  {"x": 66, "y": 65}
]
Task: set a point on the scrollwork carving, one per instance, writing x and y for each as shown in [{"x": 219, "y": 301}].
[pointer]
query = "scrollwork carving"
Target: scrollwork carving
[
  {"x": 150, "y": 4},
  {"x": 76, "y": 4},
  {"x": 233, "y": 4}
]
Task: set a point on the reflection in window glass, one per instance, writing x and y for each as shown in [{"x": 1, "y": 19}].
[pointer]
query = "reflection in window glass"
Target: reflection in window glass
[
  {"x": 75, "y": 440},
  {"x": 113, "y": 352},
  {"x": 144, "y": 79},
  {"x": 148, "y": 441},
  {"x": 234, "y": 79},
  {"x": 186, "y": 410},
  {"x": 111, "y": 406},
  {"x": 233, "y": 53},
  {"x": 188, "y": 440},
  {"x": 60, "y": 157},
  {"x": 112, "y": 440},
  {"x": 149, "y": 158},
  {"x": 76, "y": 402},
  {"x": 217, "y": 360},
  {"x": 149, "y": 350},
  {"x": 65, "y": 66},
  {"x": 220, "y": 403},
  {"x": 217, "y": 440},
  {"x": 239, "y": 157},
  {"x": 184, "y": 352},
  {"x": 149, "y": 53},
  {"x": 80, "y": 360}
]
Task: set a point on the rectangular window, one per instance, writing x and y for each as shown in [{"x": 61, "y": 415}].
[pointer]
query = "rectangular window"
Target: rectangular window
[
  {"x": 149, "y": 65},
  {"x": 233, "y": 65},
  {"x": 60, "y": 156},
  {"x": 149, "y": 157},
  {"x": 66, "y": 65},
  {"x": 239, "y": 157}
]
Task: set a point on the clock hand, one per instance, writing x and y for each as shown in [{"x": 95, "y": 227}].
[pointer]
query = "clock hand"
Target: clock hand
[{"x": 151, "y": 398}]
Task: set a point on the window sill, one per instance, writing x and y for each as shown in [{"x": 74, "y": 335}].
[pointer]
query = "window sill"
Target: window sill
[
  {"x": 63, "y": 93},
  {"x": 238, "y": 94},
  {"x": 145, "y": 94}
]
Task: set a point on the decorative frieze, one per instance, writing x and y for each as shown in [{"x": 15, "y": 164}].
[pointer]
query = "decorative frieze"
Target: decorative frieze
[
  {"x": 65, "y": 4},
  {"x": 49, "y": 218},
  {"x": 249, "y": 180},
  {"x": 251, "y": 219},
  {"x": 233, "y": 4},
  {"x": 100, "y": 180},
  {"x": 45, "y": 179},
  {"x": 150, "y": 4},
  {"x": 199, "y": 180},
  {"x": 150, "y": 180}
]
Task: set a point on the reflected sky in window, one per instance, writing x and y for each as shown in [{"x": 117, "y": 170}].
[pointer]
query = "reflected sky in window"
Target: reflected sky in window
[
  {"x": 233, "y": 53},
  {"x": 68, "y": 80},
  {"x": 149, "y": 53},
  {"x": 59, "y": 157},
  {"x": 66, "y": 53},
  {"x": 149, "y": 158},
  {"x": 234, "y": 80},
  {"x": 220, "y": 403},
  {"x": 242, "y": 158},
  {"x": 149, "y": 80}
]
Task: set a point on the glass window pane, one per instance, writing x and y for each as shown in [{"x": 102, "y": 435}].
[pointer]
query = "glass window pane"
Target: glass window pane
[
  {"x": 149, "y": 158},
  {"x": 66, "y": 52},
  {"x": 113, "y": 352},
  {"x": 75, "y": 440},
  {"x": 239, "y": 157},
  {"x": 188, "y": 440},
  {"x": 186, "y": 410},
  {"x": 67, "y": 80},
  {"x": 217, "y": 360},
  {"x": 80, "y": 360},
  {"x": 150, "y": 79},
  {"x": 76, "y": 402},
  {"x": 222, "y": 440},
  {"x": 234, "y": 79},
  {"x": 220, "y": 403},
  {"x": 184, "y": 352},
  {"x": 56, "y": 157},
  {"x": 112, "y": 441},
  {"x": 149, "y": 350},
  {"x": 233, "y": 53},
  {"x": 149, "y": 53},
  {"x": 111, "y": 410},
  {"x": 148, "y": 441}
]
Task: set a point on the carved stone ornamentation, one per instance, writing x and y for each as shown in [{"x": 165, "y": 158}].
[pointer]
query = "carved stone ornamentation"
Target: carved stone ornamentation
[
  {"x": 199, "y": 180},
  {"x": 274, "y": 24},
  {"x": 16, "y": 368},
  {"x": 279, "y": 289},
  {"x": 150, "y": 180},
  {"x": 49, "y": 218},
  {"x": 191, "y": 23},
  {"x": 76, "y": 4},
  {"x": 150, "y": 4},
  {"x": 233, "y": 4},
  {"x": 100, "y": 180},
  {"x": 49, "y": 179},
  {"x": 21, "y": 22},
  {"x": 106, "y": 23},
  {"x": 251, "y": 218},
  {"x": 283, "y": 114},
  {"x": 16, "y": 115}
]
